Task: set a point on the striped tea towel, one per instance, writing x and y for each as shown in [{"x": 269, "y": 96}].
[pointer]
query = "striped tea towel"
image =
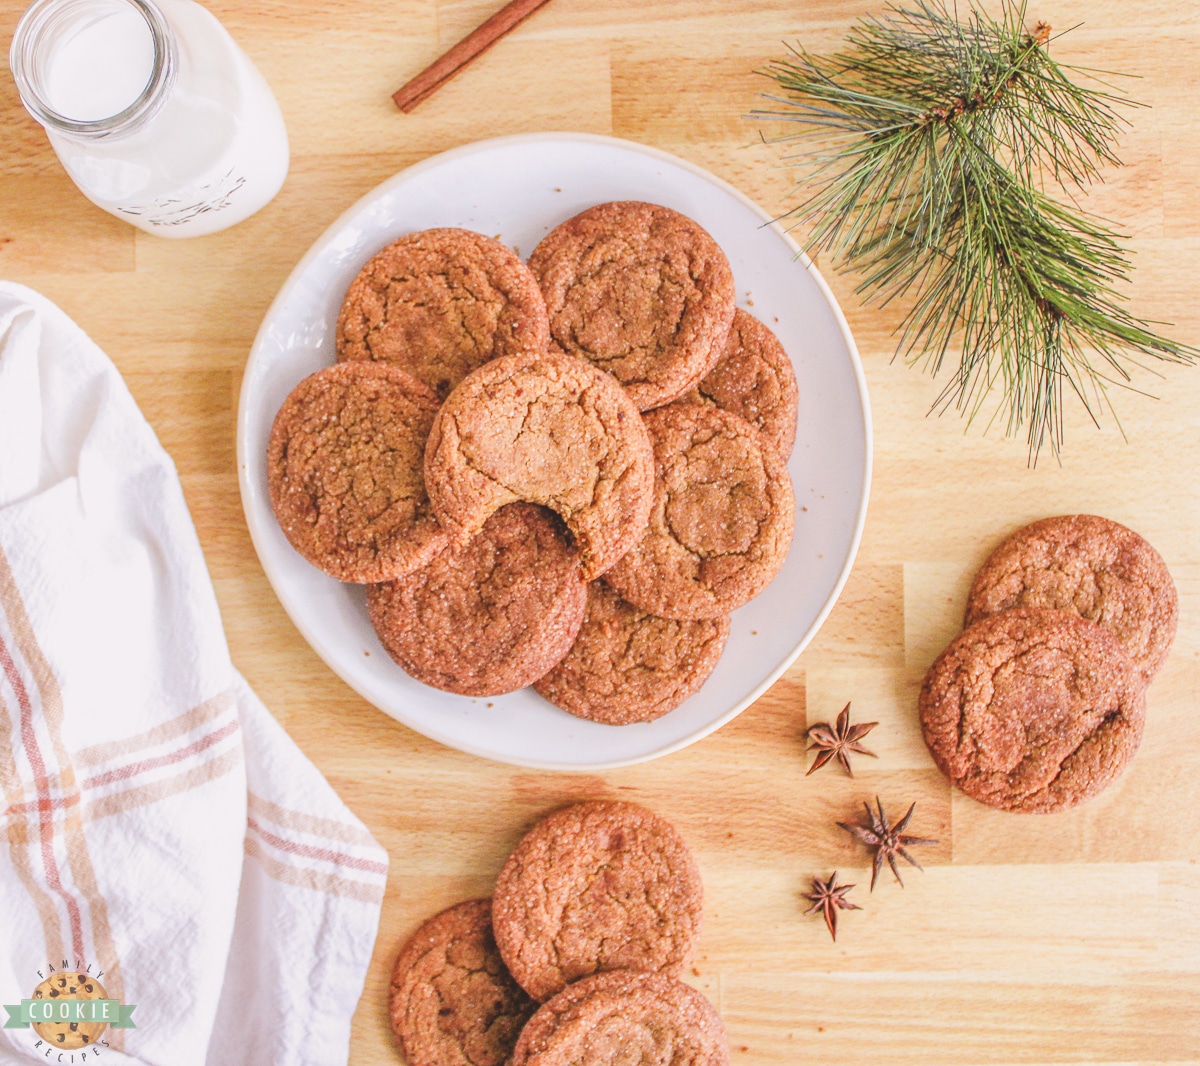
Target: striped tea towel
[{"x": 168, "y": 850}]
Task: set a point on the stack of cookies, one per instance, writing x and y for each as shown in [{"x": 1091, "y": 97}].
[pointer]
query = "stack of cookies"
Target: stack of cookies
[
  {"x": 574, "y": 960},
  {"x": 1039, "y": 703},
  {"x": 565, "y": 474}
]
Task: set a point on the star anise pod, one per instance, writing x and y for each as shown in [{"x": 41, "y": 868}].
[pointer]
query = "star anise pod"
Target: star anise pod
[
  {"x": 827, "y": 897},
  {"x": 833, "y": 742},
  {"x": 887, "y": 840}
]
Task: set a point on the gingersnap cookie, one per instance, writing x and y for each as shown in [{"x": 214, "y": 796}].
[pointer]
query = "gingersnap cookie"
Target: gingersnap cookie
[
  {"x": 721, "y": 521},
  {"x": 755, "y": 380},
  {"x": 641, "y": 291},
  {"x": 630, "y": 666},
  {"x": 452, "y": 1002},
  {"x": 1090, "y": 565},
  {"x": 597, "y": 886},
  {"x": 439, "y": 303},
  {"x": 489, "y": 617},
  {"x": 547, "y": 429},
  {"x": 345, "y": 472},
  {"x": 620, "y": 1018},
  {"x": 69, "y": 1035},
  {"x": 1032, "y": 709}
]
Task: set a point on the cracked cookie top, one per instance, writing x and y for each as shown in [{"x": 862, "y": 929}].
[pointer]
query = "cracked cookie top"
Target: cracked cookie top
[
  {"x": 614, "y": 1019},
  {"x": 549, "y": 429},
  {"x": 754, "y": 379},
  {"x": 641, "y": 291},
  {"x": 490, "y": 617},
  {"x": 627, "y": 665},
  {"x": 344, "y": 470},
  {"x": 594, "y": 887},
  {"x": 722, "y": 518},
  {"x": 1032, "y": 710},
  {"x": 452, "y": 1002},
  {"x": 439, "y": 303},
  {"x": 1093, "y": 566}
]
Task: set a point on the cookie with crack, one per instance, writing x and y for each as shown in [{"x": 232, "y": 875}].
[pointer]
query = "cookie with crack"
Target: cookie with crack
[
  {"x": 548, "y": 429},
  {"x": 1032, "y": 709},
  {"x": 611, "y": 1019},
  {"x": 721, "y": 521},
  {"x": 345, "y": 472},
  {"x": 1093, "y": 566},
  {"x": 594, "y": 887},
  {"x": 627, "y": 665},
  {"x": 440, "y": 303},
  {"x": 755, "y": 380},
  {"x": 489, "y": 617},
  {"x": 451, "y": 1001},
  {"x": 639, "y": 290}
]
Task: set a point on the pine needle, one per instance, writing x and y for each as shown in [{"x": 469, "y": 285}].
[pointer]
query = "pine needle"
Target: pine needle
[{"x": 927, "y": 148}]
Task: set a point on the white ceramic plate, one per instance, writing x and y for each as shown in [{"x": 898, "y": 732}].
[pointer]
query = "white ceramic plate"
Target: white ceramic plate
[{"x": 518, "y": 188}]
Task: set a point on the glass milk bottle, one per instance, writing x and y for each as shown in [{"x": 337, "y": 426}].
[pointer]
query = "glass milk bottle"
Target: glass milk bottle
[{"x": 154, "y": 111}]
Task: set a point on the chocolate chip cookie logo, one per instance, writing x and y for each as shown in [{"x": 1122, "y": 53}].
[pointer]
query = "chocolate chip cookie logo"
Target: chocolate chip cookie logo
[{"x": 70, "y": 1011}]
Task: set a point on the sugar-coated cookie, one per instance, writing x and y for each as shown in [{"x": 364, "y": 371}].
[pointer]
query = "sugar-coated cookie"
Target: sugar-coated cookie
[
  {"x": 639, "y": 290},
  {"x": 438, "y": 304},
  {"x": 630, "y": 666},
  {"x": 593, "y": 887},
  {"x": 488, "y": 617},
  {"x": 721, "y": 521},
  {"x": 549, "y": 429},
  {"x": 622, "y": 1018},
  {"x": 345, "y": 472},
  {"x": 1032, "y": 709},
  {"x": 451, "y": 1000},
  {"x": 1093, "y": 566}
]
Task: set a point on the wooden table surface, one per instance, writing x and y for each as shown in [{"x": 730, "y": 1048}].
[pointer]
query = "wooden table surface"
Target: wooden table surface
[{"x": 1028, "y": 939}]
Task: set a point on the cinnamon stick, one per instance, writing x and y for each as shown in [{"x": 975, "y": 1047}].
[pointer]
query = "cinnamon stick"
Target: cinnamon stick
[{"x": 476, "y": 43}]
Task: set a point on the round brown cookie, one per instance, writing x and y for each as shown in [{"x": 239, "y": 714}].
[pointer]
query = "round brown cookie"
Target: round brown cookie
[
  {"x": 755, "y": 380},
  {"x": 624, "y": 1018},
  {"x": 490, "y": 617},
  {"x": 549, "y": 429},
  {"x": 439, "y": 303},
  {"x": 344, "y": 470},
  {"x": 630, "y": 666},
  {"x": 1090, "y": 565},
  {"x": 597, "y": 886},
  {"x": 721, "y": 521},
  {"x": 640, "y": 290},
  {"x": 1032, "y": 709},
  {"x": 452, "y": 1002},
  {"x": 69, "y": 1035}
]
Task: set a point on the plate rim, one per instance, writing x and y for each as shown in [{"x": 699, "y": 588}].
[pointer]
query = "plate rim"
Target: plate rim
[{"x": 318, "y": 247}]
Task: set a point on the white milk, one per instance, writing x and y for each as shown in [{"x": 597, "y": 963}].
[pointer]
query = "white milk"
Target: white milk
[
  {"x": 101, "y": 66},
  {"x": 153, "y": 110}
]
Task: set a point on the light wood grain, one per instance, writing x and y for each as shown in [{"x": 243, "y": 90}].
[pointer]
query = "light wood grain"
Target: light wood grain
[{"x": 1072, "y": 938}]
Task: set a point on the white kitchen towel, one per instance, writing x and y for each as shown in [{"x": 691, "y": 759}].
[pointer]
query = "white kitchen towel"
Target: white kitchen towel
[{"x": 163, "y": 836}]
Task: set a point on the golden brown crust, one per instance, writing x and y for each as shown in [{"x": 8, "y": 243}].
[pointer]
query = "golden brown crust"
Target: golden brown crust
[
  {"x": 721, "y": 521},
  {"x": 754, "y": 379},
  {"x": 490, "y": 617},
  {"x": 630, "y": 666},
  {"x": 440, "y": 303},
  {"x": 549, "y": 429},
  {"x": 640, "y": 290},
  {"x": 594, "y": 887},
  {"x": 451, "y": 1000},
  {"x": 1093, "y": 566},
  {"x": 344, "y": 471},
  {"x": 612, "y": 1019},
  {"x": 1032, "y": 710}
]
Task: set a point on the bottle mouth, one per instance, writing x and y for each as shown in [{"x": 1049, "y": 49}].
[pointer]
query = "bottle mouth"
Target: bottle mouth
[{"x": 44, "y": 25}]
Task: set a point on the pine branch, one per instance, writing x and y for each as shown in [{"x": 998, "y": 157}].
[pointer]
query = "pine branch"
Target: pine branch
[{"x": 927, "y": 145}]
